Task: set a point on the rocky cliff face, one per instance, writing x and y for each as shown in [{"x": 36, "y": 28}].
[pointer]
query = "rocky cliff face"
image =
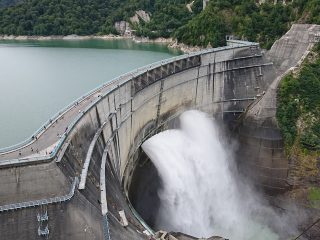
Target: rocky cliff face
[
  {"x": 123, "y": 28},
  {"x": 140, "y": 15}
]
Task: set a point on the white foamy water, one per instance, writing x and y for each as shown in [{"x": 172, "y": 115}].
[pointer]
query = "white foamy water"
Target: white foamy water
[{"x": 201, "y": 193}]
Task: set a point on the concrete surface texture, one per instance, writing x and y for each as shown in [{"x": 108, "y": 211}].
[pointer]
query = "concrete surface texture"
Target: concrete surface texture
[
  {"x": 102, "y": 143},
  {"x": 262, "y": 148}
]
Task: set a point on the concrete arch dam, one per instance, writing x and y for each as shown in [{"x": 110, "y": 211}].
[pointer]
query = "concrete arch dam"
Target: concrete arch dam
[{"x": 79, "y": 189}]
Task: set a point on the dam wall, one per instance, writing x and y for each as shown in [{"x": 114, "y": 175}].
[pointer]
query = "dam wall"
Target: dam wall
[
  {"x": 81, "y": 192},
  {"x": 262, "y": 151}
]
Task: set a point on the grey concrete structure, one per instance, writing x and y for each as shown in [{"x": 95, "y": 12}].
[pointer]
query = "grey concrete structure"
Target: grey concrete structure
[
  {"x": 99, "y": 146},
  {"x": 262, "y": 148}
]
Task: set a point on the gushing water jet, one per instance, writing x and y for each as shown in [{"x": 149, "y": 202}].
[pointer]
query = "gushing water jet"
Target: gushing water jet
[{"x": 201, "y": 194}]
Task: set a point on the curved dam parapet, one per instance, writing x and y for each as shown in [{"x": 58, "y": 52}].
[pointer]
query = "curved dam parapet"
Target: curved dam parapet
[{"x": 80, "y": 190}]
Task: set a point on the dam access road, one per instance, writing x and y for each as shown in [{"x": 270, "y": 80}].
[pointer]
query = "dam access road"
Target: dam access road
[{"x": 71, "y": 179}]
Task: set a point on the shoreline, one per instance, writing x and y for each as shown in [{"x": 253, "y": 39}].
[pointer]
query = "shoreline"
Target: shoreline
[{"x": 170, "y": 42}]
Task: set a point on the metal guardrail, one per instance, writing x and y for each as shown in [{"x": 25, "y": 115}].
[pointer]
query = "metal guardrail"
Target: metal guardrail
[
  {"x": 35, "y": 203},
  {"x": 114, "y": 84},
  {"x": 239, "y": 42}
]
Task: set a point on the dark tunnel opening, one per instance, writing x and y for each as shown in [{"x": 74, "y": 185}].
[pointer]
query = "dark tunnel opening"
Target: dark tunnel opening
[{"x": 143, "y": 191}]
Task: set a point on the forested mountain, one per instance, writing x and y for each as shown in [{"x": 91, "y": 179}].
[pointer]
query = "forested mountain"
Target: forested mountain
[
  {"x": 263, "y": 23},
  {"x": 57, "y": 17},
  {"x": 8, "y": 3},
  {"x": 169, "y": 18},
  {"x": 298, "y": 115},
  {"x": 86, "y": 17}
]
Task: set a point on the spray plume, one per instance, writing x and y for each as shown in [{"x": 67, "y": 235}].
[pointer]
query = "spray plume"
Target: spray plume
[{"x": 202, "y": 194}]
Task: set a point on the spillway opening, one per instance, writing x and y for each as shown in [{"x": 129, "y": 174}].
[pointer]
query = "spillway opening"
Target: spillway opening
[
  {"x": 143, "y": 191},
  {"x": 186, "y": 180}
]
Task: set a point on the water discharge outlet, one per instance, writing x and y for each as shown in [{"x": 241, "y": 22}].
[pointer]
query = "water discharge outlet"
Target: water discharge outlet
[{"x": 202, "y": 193}]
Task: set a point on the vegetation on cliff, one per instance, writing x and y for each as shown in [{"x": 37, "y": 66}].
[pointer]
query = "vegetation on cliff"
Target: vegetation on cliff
[
  {"x": 314, "y": 197},
  {"x": 244, "y": 18},
  {"x": 86, "y": 17},
  {"x": 298, "y": 115},
  {"x": 167, "y": 17},
  {"x": 299, "y": 104},
  {"x": 8, "y": 3},
  {"x": 57, "y": 17},
  {"x": 263, "y": 23}
]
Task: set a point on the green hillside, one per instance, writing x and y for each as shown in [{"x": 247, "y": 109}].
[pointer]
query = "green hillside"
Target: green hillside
[
  {"x": 299, "y": 104},
  {"x": 244, "y": 18},
  {"x": 87, "y": 17},
  {"x": 169, "y": 18},
  {"x": 298, "y": 114},
  {"x": 8, "y": 3}
]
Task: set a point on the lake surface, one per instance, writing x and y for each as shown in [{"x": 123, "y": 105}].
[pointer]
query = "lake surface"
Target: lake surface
[{"x": 38, "y": 78}]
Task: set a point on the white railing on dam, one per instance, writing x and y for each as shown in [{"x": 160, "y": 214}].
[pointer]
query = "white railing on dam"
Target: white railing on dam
[{"x": 35, "y": 203}]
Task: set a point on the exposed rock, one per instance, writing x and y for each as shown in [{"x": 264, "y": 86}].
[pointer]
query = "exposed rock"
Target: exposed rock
[
  {"x": 189, "y": 6},
  {"x": 123, "y": 28},
  {"x": 156, "y": 40},
  {"x": 70, "y": 37},
  {"x": 205, "y": 3},
  {"x": 140, "y": 14},
  {"x": 183, "y": 47}
]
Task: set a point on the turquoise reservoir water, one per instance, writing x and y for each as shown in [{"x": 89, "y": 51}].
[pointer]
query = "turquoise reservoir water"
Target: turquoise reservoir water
[{"x": 38, "y": 78}]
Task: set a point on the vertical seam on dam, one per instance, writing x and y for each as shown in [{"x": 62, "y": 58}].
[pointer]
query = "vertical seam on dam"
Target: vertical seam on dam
[
  {"x": 213, "y": 74},
  {"x": 197, "y": 82},
  {"x": 159, "y": 102}
]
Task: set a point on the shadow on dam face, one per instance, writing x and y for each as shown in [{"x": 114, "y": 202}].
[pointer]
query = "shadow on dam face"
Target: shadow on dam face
[
  {"x": 146, "y": 182},
  {"x": 143, "y": 191}
]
